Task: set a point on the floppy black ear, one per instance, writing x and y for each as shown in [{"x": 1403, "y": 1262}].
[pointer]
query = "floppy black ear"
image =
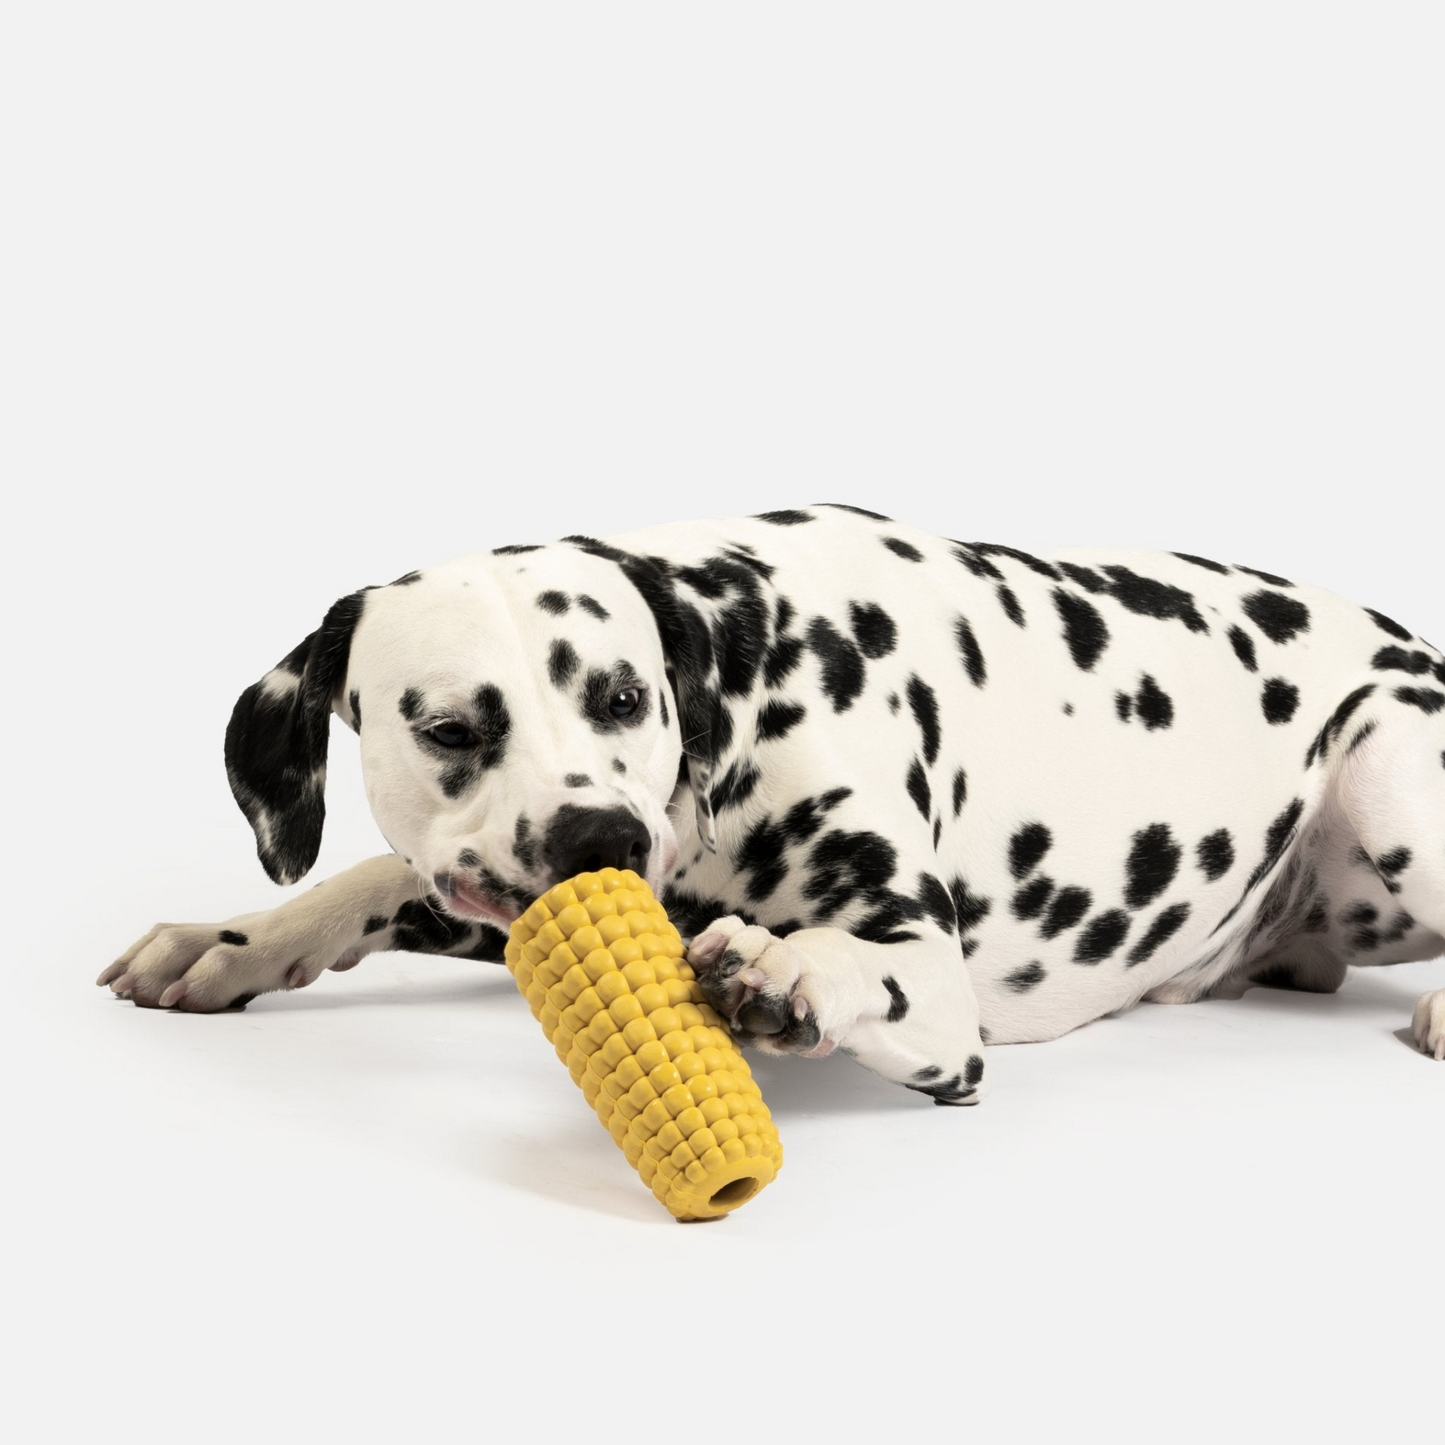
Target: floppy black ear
[
  {"x": 276, "y": 745},
  {"x": 692, "y": 665}
]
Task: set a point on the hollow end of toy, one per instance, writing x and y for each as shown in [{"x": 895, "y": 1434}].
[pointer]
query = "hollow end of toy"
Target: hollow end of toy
[{"x": 732, "y": 1190}]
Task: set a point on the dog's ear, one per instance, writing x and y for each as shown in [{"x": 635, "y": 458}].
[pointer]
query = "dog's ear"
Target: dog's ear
[
  {"x": 692, "y": 668},
  {"x": 276, "y": 744}
]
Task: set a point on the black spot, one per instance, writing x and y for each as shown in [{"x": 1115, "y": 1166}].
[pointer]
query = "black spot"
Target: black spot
[
  {"x": 1034, "y": 564},
  {"x": 410, "y": 703},
  {"x": 857, "y": 511},
  {"x": 937, "y": 831},
  {"x": 420, "y": 929},
  {"x": 236, "y": 940},
  {"x": 562, "y": 663},
  {"x": 554, "y": 602},
  {"x": 898, "y": 1007},
  {"x": 524, "y": 845},
  {"x": 918, "y": 789},
  {"x": 1152, "y": 865},
  {"x": 969, "y": 650},
  {"x": 1010, "y": 604},
  {"x": 592, "y": 605},
  {"x": 1163, "y": 928},
  {"x": 1388, "y": 624},
  {"x": 924, "y": 704},
  {"x": 376, "y": 923},
  {"x": 1123, "y": 706},
  {"x": 1215, "y": 854},
  {"x": 842, "y": 663},
  {"x": 979, "y": 566},
  {"x": 490, "y": 947},
  {"x": 936, "y": 902},
  {"x": 516, "y": 549},
  {"x": 1151, "y": 598},
  {"x": 969, "y": 908},
  {"x": 903, "y": 549},
  {"x": 888, "y": 912},
  {"x": 1391, "y": 865},
  {"x": 960, "y": 791},
  {"x": 1033, "y": 898},
  {"x": 873, "y": 627},
  {"x": 951, "y": 1091},
  {"x": 1425, "y": 698},
  {"x": 1336, "y": 723},
  {"x": 1360, "y": 737},
  {"x": 1154, "y": 705},
  {"x": 1021, "y": 980},
  {"x": 1243, "y": 645},
  {"x": 1265, "y": 576},
  {"x": 1280, "y": 699},
  {"x": 618, "y": 766},
  {"x": 893, "y": 703},
  {"x": 735, "y": 786},
  {"x": 355, "y": 700},
  {"x": 1280, "y": 618},
  {"x": 1202, "y": 562},
  {"x": 1276, "y": 839},
  {"x": 1085, "y": 577},
  {"x": 1027, "y": 847},
  {"x": 406, "y": 579},
  {"x": 1084, "y": 628},
  {"x": 1068, "y": 907},
  {"x": 1101, "y": 937},
  {"x": 786, "y": 518},
  {"x": 746, "y": 556},
  {"x": 1396, "y": 659},
  {"x": 843, "y": 865},
  {"x": 777, "y": 719},
  {"x": 783, "y": 656}
]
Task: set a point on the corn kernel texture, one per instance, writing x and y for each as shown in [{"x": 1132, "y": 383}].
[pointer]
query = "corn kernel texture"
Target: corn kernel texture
[{"x": 603, "y": 970}]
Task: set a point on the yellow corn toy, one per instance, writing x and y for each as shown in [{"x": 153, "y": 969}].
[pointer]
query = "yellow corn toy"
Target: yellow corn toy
[{"x": 603, "y": 970}]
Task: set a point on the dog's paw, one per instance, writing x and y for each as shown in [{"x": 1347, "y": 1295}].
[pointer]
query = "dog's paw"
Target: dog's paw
[
  {"x": 1429, "y": 1025},
  {"x": 766, "y": 989},
  {"x": 205, "y": 968}
]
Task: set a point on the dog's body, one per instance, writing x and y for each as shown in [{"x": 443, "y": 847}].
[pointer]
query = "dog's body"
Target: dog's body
[{"x": 931, "y": 795}]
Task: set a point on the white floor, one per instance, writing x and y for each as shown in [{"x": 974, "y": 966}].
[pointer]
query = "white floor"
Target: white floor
[{"x": 381, "y": 1206}]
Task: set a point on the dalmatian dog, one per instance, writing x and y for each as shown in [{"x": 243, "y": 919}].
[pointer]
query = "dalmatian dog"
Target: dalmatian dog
[{"x": 906, "y": 796}]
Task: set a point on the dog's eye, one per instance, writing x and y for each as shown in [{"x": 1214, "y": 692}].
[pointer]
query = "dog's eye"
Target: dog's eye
[
  {"x": 625, "y": 702},
  {"x": 451, "y": 735}
]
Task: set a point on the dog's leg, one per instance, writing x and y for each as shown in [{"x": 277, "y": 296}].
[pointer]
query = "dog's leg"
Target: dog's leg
[
  {"x": 906, "y": 1010},
  {"x": 1392, "y": 790},
  {"x": 206, "y": 967}
]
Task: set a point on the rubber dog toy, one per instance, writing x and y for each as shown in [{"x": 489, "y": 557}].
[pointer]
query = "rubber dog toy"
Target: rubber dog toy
[{"x": 604, "y": 972}]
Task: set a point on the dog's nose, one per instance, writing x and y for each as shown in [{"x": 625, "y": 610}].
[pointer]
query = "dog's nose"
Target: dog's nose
[{"x": 582, "y": 840}]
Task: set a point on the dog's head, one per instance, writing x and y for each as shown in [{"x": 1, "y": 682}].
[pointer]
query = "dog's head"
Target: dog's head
[{"x": 523, "y": 716}]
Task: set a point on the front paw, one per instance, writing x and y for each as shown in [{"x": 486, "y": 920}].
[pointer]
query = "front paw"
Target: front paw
[
  {"x": 205, "y": 968},
  {"x": 1429, "y": 1024},
  {"x": 761, "y": 985}
]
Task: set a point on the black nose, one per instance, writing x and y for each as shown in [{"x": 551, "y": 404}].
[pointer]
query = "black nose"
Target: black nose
[{"x": 582, "y": 840}]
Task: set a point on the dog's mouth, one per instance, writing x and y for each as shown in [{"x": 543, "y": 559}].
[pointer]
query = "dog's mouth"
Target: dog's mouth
[{"x": 498, "y": 904}]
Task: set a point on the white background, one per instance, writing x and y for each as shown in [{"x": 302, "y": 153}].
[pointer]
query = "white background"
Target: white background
[{"x": 297, "y": 297}]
